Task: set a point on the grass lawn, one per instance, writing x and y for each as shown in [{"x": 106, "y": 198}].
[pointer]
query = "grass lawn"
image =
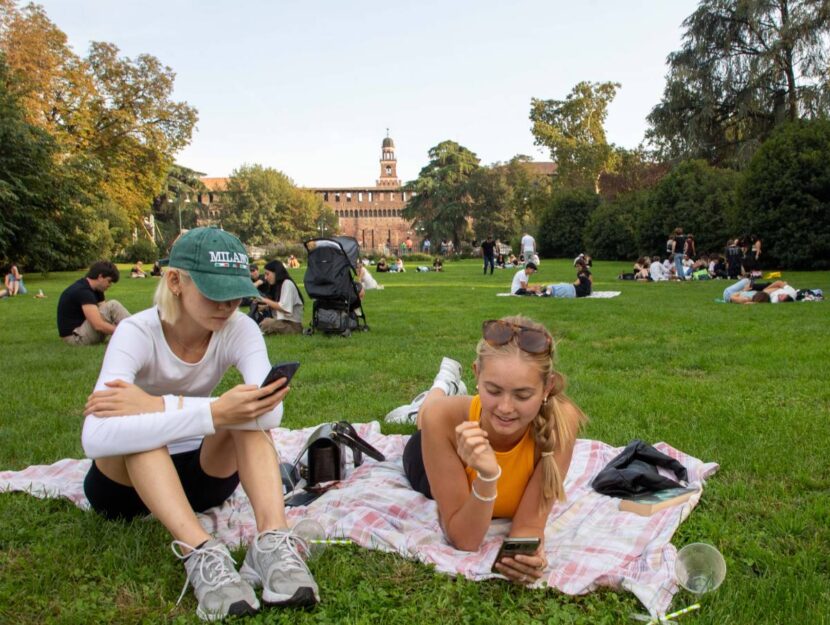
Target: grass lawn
[{"x": 744, "y": 386}]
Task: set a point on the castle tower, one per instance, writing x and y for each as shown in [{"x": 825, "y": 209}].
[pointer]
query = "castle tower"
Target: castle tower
[{"x": 388, "y": 165}]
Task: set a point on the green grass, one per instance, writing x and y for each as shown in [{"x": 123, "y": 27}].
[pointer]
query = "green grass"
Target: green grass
[{"x": 745, "y": 386}]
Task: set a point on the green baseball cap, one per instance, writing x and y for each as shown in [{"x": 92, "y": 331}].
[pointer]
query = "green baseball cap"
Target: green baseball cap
[{"x": 217, "y": 261}]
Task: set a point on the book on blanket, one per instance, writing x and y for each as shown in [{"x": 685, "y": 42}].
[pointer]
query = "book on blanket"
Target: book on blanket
[{"x": 646, "y": 505}]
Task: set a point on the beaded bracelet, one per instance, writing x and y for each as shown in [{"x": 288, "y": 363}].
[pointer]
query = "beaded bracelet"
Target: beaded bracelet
[
  {"x": 480, "y": 497},
  {"x": 489, "y": 479}
]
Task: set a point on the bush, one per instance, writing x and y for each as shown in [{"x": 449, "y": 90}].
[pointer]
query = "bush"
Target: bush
[
  {"x": 785, "y": 196},
  {"x": 610, "y": 231},
  {"x": 141, "y": 249},
  {"x": 563, "y": 222}
]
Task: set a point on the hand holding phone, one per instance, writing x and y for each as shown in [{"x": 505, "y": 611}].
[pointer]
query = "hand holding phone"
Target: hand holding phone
[
  {"x": 513, "y": 546},
  {"x": 281, "y": 370}
]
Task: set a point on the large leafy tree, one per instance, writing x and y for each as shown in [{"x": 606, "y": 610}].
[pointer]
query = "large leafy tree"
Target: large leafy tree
[
  {"x": 573, "y": 130},
  {"x": 263, "y": 206},
  {"x": 785, "y": 196},
  {"x": 442, "y": 201},
  {"x": 745, "y": 67},
  {"x": 113, "y": 119},
  {"x": 46, "y": 219}
]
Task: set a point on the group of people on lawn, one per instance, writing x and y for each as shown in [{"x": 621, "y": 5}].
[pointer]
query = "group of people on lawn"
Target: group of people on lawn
[{"x": 161, "y": 444}]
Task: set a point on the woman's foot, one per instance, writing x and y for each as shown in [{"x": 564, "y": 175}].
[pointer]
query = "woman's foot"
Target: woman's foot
[
  {"x": 276, "y": 561},
  {"x": 219, "y": 590},
  {"x": 448, "y": 380}
]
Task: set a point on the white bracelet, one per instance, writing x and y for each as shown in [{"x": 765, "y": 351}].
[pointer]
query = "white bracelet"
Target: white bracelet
[
  {"x": 481, "y": 497},
  {"x": 495, "y": 478}
]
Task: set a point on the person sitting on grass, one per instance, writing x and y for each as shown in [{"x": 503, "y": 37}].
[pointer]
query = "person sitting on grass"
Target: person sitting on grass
[
  {"x": 746, "y": 292},
  {"x": 84, "y": 316},
  {"x": 281, "y": 301},
  {"x": 137, "y": 270},
  {"x": 503, "y": 453},
  {"x": 581, "y": 287},
  {"x": 520, "y": 285},
  {"x": 438, "y": 264},
  {"x": 161, "y": 444},
  {"x": 382, "y": 266}
]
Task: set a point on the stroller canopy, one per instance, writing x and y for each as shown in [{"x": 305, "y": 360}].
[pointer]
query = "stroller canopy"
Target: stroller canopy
[{"x": 331, "y": 262}]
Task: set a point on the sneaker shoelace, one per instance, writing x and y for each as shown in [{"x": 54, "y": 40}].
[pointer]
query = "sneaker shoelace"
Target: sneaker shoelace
[
  {"x": 213, "y": 567},
  {"x": 286, "y": 544}
]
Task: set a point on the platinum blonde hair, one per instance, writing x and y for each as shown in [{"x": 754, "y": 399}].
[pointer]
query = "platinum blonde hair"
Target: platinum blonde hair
[{"x": 169, "y": 305}]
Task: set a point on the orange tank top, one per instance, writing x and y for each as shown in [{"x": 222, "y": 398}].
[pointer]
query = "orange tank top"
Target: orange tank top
[{"x": 517, "y": 467}]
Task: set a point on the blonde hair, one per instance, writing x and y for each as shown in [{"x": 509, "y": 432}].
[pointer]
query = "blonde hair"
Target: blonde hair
[
  {"x": 552, "y": 430},
  {"x": 169, "y": 305}
]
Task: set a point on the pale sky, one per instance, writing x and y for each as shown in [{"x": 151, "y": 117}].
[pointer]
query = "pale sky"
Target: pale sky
[{"x": 310, "y": 87}]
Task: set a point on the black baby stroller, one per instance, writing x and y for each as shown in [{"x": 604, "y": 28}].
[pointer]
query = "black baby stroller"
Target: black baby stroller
[{"x": 329, "y": 282}]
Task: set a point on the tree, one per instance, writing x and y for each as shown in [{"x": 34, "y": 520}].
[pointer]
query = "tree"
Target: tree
[
  {"x": 113, "y": 118},
  {"x": 573, "y": 130},
  {"x": 562, "y": 224},
  {"x": 745, "y": 67},
  {"x": 263, "y": 207},
  {"x": 785, "y": 196},
  {"x": 442, "y": 201},
  {"x": 46, "y": 219}
]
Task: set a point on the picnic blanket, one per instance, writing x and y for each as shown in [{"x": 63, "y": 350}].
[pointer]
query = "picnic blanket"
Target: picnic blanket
[
  {"x": 589, "y": 542},
  {"x": 593, "y": 295}
]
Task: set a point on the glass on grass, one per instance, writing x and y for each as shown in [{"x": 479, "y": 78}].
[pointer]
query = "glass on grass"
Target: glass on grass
[{"x": 699, "y": 568}]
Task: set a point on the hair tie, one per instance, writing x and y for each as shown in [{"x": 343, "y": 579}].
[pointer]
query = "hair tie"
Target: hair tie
[{"x": 545, "y": 454}]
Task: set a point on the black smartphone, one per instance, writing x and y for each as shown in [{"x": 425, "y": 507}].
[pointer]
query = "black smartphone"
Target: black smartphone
[
  {"x": 281, "y": 370},
  {"x": 514, "y": 546}
]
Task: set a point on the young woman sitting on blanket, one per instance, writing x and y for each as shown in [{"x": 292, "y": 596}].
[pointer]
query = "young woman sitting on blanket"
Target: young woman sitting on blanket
[
  {"x": 502, "y": 453},
  {"x": 162, "y": 444}
]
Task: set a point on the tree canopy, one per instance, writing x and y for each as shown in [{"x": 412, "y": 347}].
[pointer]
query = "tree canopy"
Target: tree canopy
[
  {"x": 262, "y": 206},
  {"x": 442, "y": 201},
  {"x": 745, "y": 67},
  {"x": 574, "y": 132}
]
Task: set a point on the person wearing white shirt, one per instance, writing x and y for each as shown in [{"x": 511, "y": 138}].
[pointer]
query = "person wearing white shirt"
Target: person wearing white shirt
[
  {"x": 657, "y": 271},
  {"x": 528, "y": 246},
  {"x": 161, "y": 444},
  {"x": 520, "y": 284}
]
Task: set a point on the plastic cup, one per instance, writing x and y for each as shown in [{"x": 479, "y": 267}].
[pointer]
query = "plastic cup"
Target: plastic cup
[
  {"x": 700, "y": 568},
  {"x": 312, "y": 533}
]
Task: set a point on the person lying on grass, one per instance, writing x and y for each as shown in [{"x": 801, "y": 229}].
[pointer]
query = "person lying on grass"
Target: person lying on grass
[
  {"x": 746, "y": 292},
  {"x": 502, "y": 453},
  {"x": 161, "y": 444}
]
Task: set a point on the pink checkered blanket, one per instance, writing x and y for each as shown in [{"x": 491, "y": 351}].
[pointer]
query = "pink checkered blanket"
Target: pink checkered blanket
[{"x": 589, "y": 542}]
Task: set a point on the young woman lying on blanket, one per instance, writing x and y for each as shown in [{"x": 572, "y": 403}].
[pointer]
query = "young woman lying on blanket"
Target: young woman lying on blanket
[
  {"x": 161, "y": 444},
  {"x": 747, "y": 292},
  {"x": 502, "y": 453}
]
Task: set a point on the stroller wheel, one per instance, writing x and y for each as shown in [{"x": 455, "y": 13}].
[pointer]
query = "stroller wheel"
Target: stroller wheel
[
  {"x": 308, "y": 331},
  {"x": 346, "y": 333}
]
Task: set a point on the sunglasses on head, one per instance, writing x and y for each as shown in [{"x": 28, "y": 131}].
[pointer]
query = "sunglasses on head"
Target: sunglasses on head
[{"x": 497, "y": 332}]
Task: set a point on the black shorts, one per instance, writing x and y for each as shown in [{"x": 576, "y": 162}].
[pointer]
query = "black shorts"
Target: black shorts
[
  {"x": 116, "y": 501},
  {"x": 413, "y": 465}
]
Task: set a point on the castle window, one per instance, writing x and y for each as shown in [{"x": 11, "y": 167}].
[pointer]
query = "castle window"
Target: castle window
[
  {"x": 370, "y": 196},
  {"x": 388, "y": 171},
  {"x": 403, "y": 195},
  {"x": 360, "y": 196},
  {"x": 210, "y": 198},
  {"x": 325, "y": 196},
  {"x": 336, "y": 197},
  {"x": 348, "y": 197}
]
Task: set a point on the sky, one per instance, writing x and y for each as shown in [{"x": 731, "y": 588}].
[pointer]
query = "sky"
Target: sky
[{"x": 310, "y": 87}]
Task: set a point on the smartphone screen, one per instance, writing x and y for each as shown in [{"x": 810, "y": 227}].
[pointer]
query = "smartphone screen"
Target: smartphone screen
[
  {"x": 514, "y": 546},
  {"x": 281, "y": 370}
]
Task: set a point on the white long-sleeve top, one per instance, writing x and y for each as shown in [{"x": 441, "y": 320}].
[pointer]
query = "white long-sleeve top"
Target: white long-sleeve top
[{"x": 139, "y": 354}]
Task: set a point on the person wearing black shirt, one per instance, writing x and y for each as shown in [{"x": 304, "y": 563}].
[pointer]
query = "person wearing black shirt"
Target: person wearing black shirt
[
  {"x": 84, "y": 317},
  {"x": 581, "y": 287},
  {"x": 488, "y": 251}
]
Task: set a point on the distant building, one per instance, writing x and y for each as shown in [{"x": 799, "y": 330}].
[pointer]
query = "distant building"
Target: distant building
[{"x": 371, "y": 214}]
